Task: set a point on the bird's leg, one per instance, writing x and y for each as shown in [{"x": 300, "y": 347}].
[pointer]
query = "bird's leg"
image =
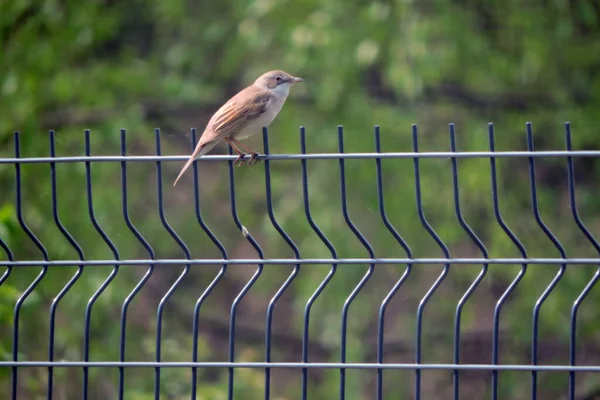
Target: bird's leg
[
  {"x": 253, "y": 160},
  {"x": 240, "y": 160}
]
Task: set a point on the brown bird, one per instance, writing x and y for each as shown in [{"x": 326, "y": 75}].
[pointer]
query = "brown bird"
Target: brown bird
[{"x": 244, "y": 114}]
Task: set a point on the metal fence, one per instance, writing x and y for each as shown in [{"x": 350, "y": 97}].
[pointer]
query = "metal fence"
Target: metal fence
[{"x": 13, "y": 363}]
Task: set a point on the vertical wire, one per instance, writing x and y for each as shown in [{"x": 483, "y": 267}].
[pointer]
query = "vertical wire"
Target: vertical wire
[
  {"x": 249, "y": 284},
  {"x": 146, "y": 276},
  {"x": 517, "y": 278},
  {"x": 290, "y": 278},
  {"x": 108, "y": 280},
  {"x": 9, "y": 256},
  {"x": 367, "y": 275},
  {"x": 217, "y": 278},
  {"x": 186, "y": 269},
  {"x": 73, "y": 279},
  {"x": 403, "y": 277},
  {"x": 36, "y": 281},
  {"x": 594, "y": 242},
  {"x": 438, "y": 281},
  {"x": 482, "y": 249},
  {"x": 327, "y": 278},
  {"x": 561, "y": 271}
]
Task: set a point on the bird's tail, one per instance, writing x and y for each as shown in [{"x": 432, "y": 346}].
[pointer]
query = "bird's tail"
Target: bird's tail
[{"x": 198, "y": 152}]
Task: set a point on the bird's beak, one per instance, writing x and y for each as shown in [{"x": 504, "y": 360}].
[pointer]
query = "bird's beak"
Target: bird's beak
[{"x": 296, "y": 80}]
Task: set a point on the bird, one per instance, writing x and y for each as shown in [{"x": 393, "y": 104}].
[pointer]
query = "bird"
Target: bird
[{"x": 244, "y": 114}]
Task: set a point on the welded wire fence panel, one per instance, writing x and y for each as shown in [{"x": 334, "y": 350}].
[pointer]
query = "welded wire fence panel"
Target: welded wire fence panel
[{"x": 97, "y": 282}]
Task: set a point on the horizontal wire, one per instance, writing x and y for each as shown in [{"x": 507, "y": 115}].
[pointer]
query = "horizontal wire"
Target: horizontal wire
[
  {"x": 219, "y": 261},
  {"x": 297, "y": 365},
  {"x": 318, "y": 156}
]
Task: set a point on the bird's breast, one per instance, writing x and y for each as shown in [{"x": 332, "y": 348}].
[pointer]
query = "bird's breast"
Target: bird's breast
[{"x": 262, "y": 120}]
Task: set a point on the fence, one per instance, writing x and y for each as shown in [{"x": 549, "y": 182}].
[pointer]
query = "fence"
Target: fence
[{"x": 18, "y": 359}]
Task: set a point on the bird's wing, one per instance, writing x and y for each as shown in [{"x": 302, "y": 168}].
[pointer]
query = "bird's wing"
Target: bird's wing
[{"x": 236, "y": 114}]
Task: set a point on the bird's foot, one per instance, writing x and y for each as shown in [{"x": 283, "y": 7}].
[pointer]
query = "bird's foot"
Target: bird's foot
[
  {"x": 253, "y": 159},
  {"x": 240, "y": 160}
]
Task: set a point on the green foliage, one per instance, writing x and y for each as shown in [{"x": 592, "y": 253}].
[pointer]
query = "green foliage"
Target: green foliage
[{"x": 107, "y": 65}]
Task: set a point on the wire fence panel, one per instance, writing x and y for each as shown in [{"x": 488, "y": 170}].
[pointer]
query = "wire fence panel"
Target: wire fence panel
[{"x": 109, "y": 281}]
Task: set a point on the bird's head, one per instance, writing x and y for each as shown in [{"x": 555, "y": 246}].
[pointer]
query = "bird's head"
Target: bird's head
[{"x": 278, "y": 81}]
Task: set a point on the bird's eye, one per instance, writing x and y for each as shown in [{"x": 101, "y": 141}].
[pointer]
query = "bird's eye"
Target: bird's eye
[{"x": 279, "y": 79}]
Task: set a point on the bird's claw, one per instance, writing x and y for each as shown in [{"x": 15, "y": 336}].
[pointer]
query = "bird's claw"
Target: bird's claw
[
  {"x": 239, "y": 161},
  {"x": 253, "y": 159}
]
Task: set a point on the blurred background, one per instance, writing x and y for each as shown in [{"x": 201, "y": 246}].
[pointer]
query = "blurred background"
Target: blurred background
[{"x": 107, "y": 65}]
